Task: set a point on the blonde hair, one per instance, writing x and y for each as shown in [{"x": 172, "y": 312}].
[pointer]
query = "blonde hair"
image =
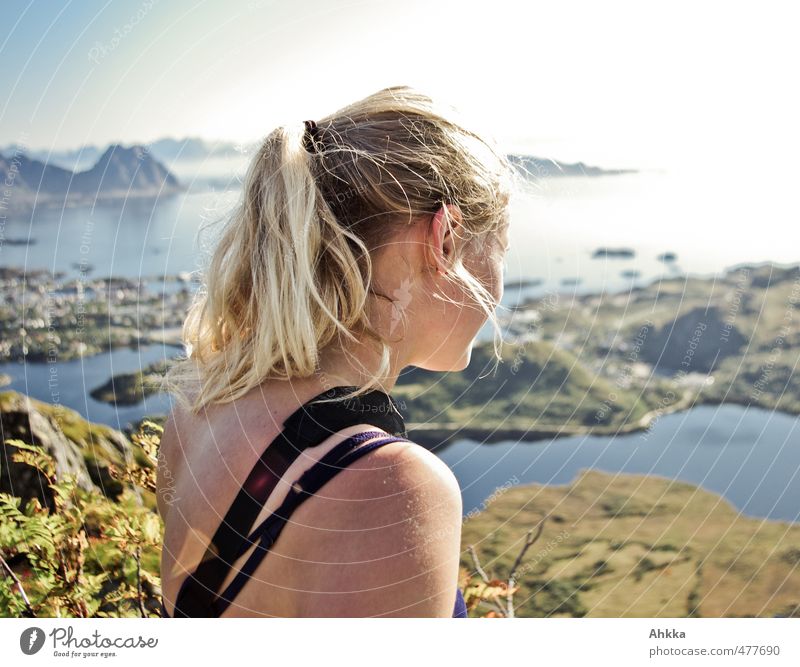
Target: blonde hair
[{"x": 292, "y": 271}]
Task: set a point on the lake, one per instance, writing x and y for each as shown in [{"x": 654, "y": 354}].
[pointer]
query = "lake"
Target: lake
[
  {"x": 749, "y": 456},
  {"x": 69, "y": 383}
]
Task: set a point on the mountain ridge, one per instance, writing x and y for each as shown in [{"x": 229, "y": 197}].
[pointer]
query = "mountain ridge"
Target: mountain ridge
[
  {"x": 120, "y": 172},
  {"x": 193, "y": 148}
]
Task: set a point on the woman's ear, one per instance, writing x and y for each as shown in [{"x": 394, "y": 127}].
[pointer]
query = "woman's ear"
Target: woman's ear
[{"x": 441, "y": 237}]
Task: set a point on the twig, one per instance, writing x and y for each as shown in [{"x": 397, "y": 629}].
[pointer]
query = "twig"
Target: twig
[
  {"x": 486, "y": 580},
  {"x": 139, "y": 582},
  {"x": 512, "y": 576},
  {"x": 79, "y": 568},
  {"x": 528, "y": 542},
  {"x": 13, "y": 576},
  {"x": 477, "y": 564}
]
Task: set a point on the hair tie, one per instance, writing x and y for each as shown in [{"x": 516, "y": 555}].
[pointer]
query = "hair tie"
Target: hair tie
[{"x": 310, "y": 136}]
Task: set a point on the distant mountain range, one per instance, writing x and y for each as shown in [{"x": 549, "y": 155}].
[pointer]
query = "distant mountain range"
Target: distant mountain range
[
  {"x": 189, "y": 149},
  {"x": 119, "y": 173},
  {"x": 166, "y": 150},
  {"x": 537, "y": 167},
  {"x": 89, "y": 173}
]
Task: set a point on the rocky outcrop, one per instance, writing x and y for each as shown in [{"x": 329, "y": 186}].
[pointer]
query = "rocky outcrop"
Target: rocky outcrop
[
  {"x": 78, "y": 447},
  {"x": 695, "y": 341}
]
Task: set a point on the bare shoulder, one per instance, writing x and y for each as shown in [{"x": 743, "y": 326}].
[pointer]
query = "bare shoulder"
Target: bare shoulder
[
  {"x": 381, "y": 538},
  {"x": 400, "y": 467},
  {"x": 399, "y": 479}
]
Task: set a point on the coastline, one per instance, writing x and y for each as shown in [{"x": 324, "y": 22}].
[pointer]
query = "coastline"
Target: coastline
[{"x": 442, "y": 434}]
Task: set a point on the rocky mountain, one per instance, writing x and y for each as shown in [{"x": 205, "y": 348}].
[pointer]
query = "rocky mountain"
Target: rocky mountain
[
  {"x": 27, "y": 175},
  {"x": 165, "y": 150},
  {"x": 77, "y": 446},
  {"x": 124, "y": 169},
  {"x": 537, "y": 167},
  {"x": 119, "y": 173},
  {"x": 72, "y": 159}
]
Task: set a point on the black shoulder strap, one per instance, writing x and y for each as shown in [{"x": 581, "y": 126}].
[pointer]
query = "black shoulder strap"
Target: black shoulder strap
[{"x": 309, "y": 425}]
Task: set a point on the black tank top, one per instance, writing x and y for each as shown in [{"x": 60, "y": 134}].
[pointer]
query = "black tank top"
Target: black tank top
[{"x": 309, "y": 425}]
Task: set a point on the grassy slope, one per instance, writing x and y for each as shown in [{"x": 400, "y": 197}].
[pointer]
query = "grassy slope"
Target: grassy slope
[
  {"x": 536, "y": 386},
  {"x": 638, "y": 546}
]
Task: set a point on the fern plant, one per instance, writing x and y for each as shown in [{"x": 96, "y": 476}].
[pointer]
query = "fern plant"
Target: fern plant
[{"x": 87, "y": 555}]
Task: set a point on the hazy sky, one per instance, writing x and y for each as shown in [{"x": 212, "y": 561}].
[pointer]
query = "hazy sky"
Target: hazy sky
[{"x": 609, "y": 83}]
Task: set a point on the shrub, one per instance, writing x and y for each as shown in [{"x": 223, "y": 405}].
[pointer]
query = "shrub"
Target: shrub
[{"x": 88, "y": 555}]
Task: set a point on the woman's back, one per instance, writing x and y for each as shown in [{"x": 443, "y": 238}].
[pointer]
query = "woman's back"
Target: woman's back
[{"x": 379, "y": 538}]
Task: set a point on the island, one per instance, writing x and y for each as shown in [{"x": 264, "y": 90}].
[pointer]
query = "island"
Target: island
[{"x": 622, "y": 253}]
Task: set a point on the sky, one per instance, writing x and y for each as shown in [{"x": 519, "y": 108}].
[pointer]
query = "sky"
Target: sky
[{"x": 628, "y": 84}]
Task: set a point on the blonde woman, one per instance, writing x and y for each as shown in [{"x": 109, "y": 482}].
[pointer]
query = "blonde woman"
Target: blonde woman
[{"x": 367, "y": 241}]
